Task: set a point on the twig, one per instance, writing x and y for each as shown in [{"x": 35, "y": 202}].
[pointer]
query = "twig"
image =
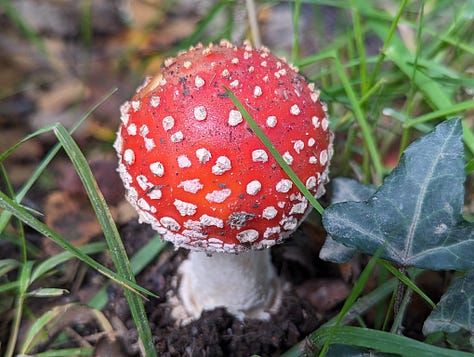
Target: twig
[{"x": 252, "y": 15}]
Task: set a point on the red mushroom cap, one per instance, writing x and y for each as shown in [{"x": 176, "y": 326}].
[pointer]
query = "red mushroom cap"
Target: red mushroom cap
[{"x": 193, "y": 168}]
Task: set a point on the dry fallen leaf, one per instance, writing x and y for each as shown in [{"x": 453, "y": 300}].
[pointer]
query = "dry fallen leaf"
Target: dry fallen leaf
[
  {"x": 72, "y": 217},
  {"x": 324, "y": 294},
  {"x": 104, "y": 172}
]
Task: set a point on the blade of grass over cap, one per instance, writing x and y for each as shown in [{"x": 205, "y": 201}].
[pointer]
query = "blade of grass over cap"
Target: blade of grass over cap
[{"x": 274, "y": 152}]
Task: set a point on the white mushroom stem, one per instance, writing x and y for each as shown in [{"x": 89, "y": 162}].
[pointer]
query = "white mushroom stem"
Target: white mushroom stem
[{"x": 245, "y": 284}]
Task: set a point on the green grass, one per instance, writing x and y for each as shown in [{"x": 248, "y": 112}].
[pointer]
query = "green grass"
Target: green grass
[{"x": 379, "y": 102}]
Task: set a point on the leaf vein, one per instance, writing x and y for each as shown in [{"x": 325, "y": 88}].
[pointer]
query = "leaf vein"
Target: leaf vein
[{"x": 420, "y": 200}]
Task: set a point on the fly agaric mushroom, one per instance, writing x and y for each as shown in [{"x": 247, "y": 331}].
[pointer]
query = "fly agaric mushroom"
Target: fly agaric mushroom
[{"x": 197, "y": 173}]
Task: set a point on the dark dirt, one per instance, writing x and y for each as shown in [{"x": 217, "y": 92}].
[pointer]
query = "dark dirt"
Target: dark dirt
[{"x": 217, "y": 333}]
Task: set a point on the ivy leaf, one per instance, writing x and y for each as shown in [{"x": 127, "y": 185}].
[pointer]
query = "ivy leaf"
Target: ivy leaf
[
  {"x": 454, "y": 311},
  {"x": 344, "y": 189},
  {"x": 415, "y": 217}
]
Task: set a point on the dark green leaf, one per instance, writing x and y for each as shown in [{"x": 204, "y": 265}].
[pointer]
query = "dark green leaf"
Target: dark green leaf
[
  {"x": 415, "y": 216},
  {"x": 344, "y": 189},
  {"x": 455, "y": 311}
]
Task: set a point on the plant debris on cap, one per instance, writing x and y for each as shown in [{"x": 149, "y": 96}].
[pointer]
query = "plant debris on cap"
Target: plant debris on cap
[{"x": 194, "y": 169}]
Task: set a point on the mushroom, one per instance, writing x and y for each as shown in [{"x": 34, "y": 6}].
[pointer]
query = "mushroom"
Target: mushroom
[{"x": 196, "y": 172}]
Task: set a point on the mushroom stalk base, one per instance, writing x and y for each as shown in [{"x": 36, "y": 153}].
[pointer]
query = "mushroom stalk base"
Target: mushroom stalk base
[{"x": 245, "y": 284}]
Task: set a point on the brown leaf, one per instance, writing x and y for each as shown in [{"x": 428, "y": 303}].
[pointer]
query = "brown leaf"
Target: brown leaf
[
  {"x": 146, "y": 13},
  {"x": 324, "y": 294},
  {"x": 72, "y": 217},
  {"x": 105, "y": 173},
  {"x": 107, "y": 347},
  {"x": 350, "y": 271}
]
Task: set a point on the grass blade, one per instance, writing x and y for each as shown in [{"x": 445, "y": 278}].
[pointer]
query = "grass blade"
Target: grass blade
[
  {"x": 295, "y": 48},
  {"x": 359, "y": 39},
  {"x": 387, "y": 41},
  {"x": 407, "y": 281},
  {"x": 7, "y": 265},
  {"x": 67, "y": 352},
  {"x": 351, "y": 299},
  {"x": 19, "y": 305},
  {"x": 62, "y": 257},
  {"x": 359, "y": 115},
  {"x": 39, "y": 325},
  {"x": 194, "y": 38},
  {"x": 440, "y": 113}
]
